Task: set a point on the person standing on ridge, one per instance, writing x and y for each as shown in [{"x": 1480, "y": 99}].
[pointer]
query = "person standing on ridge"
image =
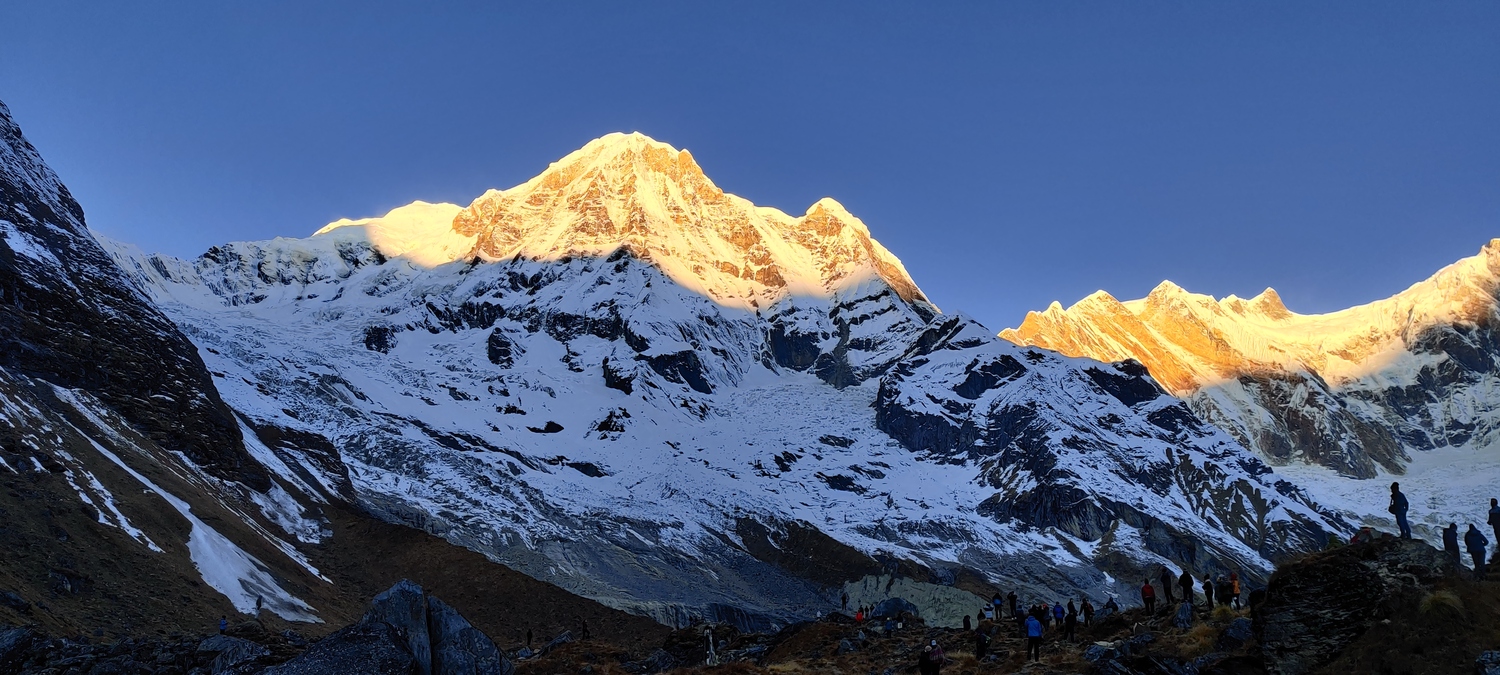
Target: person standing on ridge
[
  {"x": 1058, "y": 614},
  {"x": 1088, "y": 613},
  {"x": 844, "y": 603},
  {"x": 1476, "y": 543},
  {"x": 981, "y": 645},
  {"x": 1070, "y": 624},
  {"x": 1166, "y": 584},
  {"x": 223, "y": 624},
  {"x": 1495, "y": 518},
  {"x": 1148, "y": 597},
  {"x": 1450, "y": 544},
  {"x": 1234, "y": 588},
  {"x": 1033, "y": 639},
  {"x": 1185, "y": 582},
  {"x": 1015, "y": 604},
  {"x": 1208, "y": 592},
  {"x": 1398, "y": 508},
  {"x": 969, "y": 623}
]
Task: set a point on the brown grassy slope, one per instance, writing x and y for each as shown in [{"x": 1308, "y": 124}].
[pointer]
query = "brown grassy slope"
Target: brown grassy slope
[{"x": 366, "y": 556}]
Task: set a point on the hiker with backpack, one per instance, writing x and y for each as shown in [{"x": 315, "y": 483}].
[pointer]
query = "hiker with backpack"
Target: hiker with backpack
[
  {"x": 1148, "y": 597},
  {"x": 1398, "y": 508}
]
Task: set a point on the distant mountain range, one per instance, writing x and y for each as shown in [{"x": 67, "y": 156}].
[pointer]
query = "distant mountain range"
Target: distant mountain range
[{"x": 621, "y": 380}]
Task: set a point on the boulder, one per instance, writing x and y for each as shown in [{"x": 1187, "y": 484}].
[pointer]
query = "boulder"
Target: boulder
[
  {"x": 1237, "y": 634},
  {"x": 232, "y": 652},
  {"x": 1316, "y": 607},
  {"x": 1488, "y": 663},
  {"x": 362, "y": 649},
  {"x": 1184, "y": 617},
  {"x": 404, "y": 631},
  {"x": 894, "y": 607},
  {"x": 15, "y": 647}
]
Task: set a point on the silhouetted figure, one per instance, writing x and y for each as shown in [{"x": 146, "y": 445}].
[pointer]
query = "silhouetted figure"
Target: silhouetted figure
[
  {"x": 1208, "y": 592},
  {"x": 1185, "y": 582},
  {"x": 1070, "y": 623},
  {"x": 1398, "y": 508},
  {"x": 1148, "y": 597},
  {"x": 1166, "y": 584},
  {"x": 844, "y": 603},
  {"x": 969, "y": 624},
  {"x": 1495, "y": 518},
  {"x": 528, "y": 638},
  {"x": 1450, "y": 544},
  {"x": 223, "y": 624},
  {"x": 1476, "y": 543},
  {"x": 931, "y": 661},
  {"x": 1014, "y": 604},
  {"x": 1088, "y": 613},
  {"x": 981, "y": 645}
]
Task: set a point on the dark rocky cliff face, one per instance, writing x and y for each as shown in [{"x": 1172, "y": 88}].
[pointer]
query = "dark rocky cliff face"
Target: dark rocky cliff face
[{"x": 69, "y": 316}]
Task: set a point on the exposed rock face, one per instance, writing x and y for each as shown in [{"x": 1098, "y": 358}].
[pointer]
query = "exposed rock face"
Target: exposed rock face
[
  {"x": 405, "y": 631},
  {"x": 1081, "y": 460},
  {"x": 72, "y": 318},
  {"x": 1316, "y": 608}
]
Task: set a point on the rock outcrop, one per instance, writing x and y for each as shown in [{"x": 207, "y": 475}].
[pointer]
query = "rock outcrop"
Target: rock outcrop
[
  {"x": 405, "y": 631},
  {"x": 71, "y": 317},
  {"x": 1316, "y": 608}
]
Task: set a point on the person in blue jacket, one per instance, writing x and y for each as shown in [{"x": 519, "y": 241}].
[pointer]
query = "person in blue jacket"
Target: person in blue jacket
[
  {"x": 1033, "y": 639},
  {"x": 1058, "y": 613},
  {"x": 1398, "y": 508},
  {"x": 1476, "y": 542}
]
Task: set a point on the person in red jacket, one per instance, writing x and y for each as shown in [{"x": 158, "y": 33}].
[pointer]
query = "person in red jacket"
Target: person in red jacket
[{"x": 1148, "y": 596}]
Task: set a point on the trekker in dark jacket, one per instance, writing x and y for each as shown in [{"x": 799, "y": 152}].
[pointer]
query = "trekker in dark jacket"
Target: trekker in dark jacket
[
  {"x": 1208, "y": 592},
  {"x": 1166, "y": 584},
  {"x": 1398, "y": 508},
  {"x": 1088, "y": 613},
  {"x": 1476, "y": 543},
  {"x": 1070, "y": 624},
  {"x": 1014, "y": 605},
  {"x": 931, "y": 661},
  {"x": 1033, "y": 639},
  {"x": 1495, "y": 518},
  {"x": 1148, "y": 597},
  {"x": 981, "y": 645},
  {"x": 1185, "y": 582},
  {"x": 1450, "y": 543}
]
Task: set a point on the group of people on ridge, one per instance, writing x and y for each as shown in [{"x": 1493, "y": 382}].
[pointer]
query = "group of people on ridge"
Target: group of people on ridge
[
  {"x": 1222, "y": 589},
  {"x": 1474, "y": 540}
]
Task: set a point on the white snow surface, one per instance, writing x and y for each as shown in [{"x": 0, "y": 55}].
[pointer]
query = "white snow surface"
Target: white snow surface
[
  {"x": 224, "y": 566},
  {"x": 629, "y": 364}
]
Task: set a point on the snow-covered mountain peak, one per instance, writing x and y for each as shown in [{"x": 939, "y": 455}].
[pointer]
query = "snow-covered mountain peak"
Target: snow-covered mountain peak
[
  {"x": 627, "y": 191},
  {"x": 419, "y": 231}
]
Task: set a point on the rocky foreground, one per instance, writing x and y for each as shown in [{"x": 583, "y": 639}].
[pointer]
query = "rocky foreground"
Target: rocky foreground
[{"x": 1386, "y": 606}]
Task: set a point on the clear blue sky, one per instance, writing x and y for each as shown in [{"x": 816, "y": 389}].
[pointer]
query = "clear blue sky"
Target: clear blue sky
[{"x": 1010, "y": 153}]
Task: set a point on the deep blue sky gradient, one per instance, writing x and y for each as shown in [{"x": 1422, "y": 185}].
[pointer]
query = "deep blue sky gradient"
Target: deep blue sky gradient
[{"x": 1010, "y": 153}]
